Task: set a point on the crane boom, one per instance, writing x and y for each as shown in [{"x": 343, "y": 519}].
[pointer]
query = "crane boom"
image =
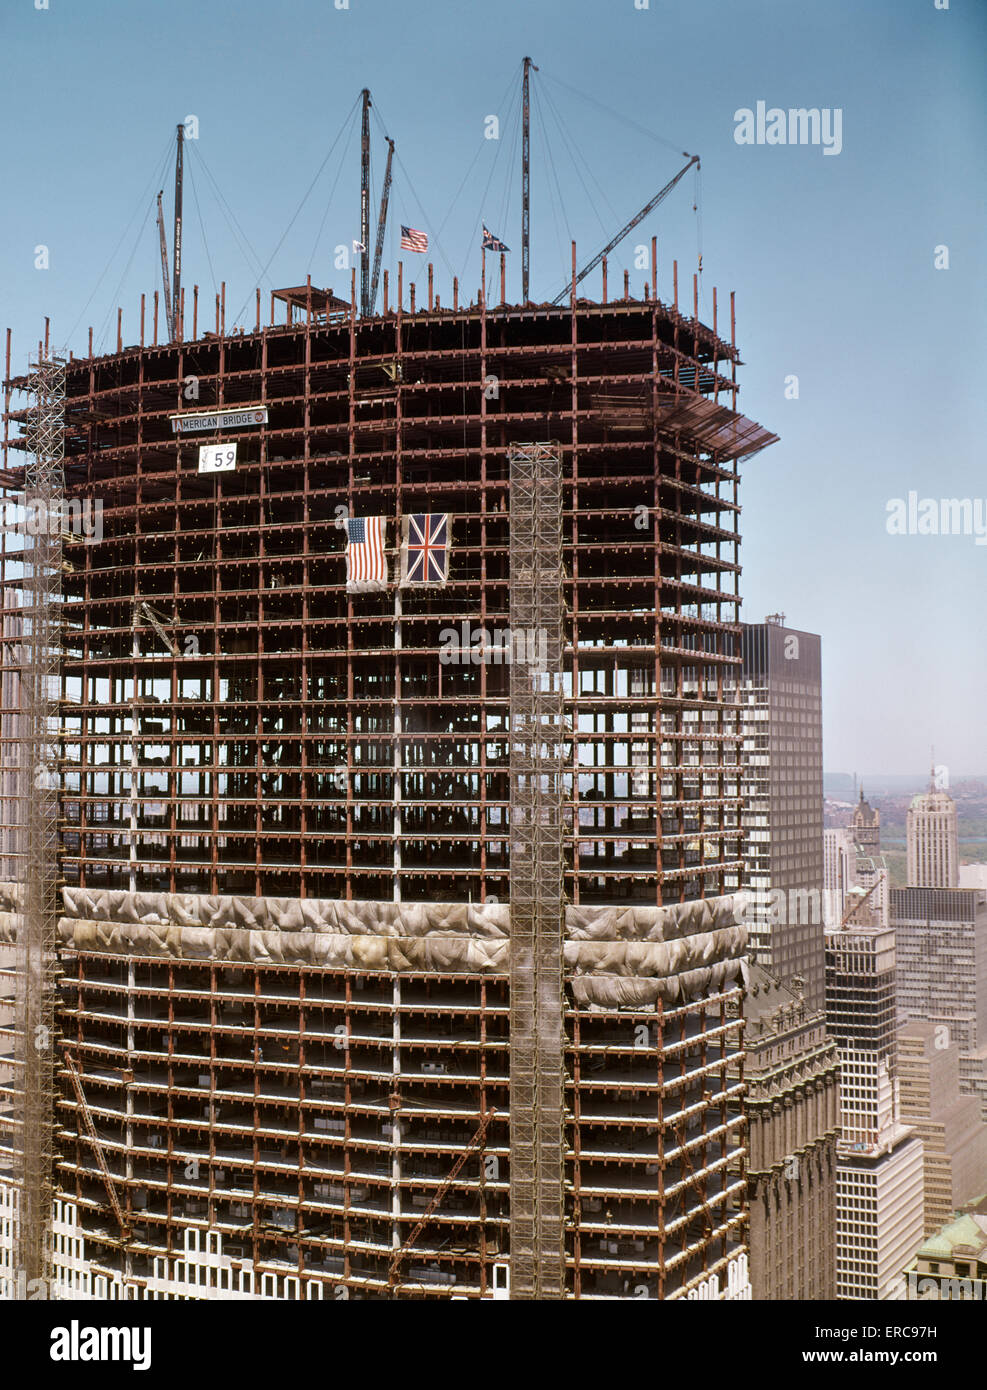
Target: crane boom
[
  {"x": 648, "y": 207},
  {"x": 90, "y": 1129},
  {"x": 450, "y": 1178},
  {"x": 145, "y": 611},
  {"x": 164, "y": 273},
  {"x": 381, "y": 224},
  {"x": 859, "y": 903}
]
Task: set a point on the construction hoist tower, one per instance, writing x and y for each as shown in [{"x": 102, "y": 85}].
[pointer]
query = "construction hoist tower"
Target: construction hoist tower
[
  {"x": 37, "y": 791},
  {"x": 538, "y": 744}
]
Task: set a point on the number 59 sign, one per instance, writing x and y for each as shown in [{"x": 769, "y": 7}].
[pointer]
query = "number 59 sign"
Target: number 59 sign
[{"x": 217, "y": 458}]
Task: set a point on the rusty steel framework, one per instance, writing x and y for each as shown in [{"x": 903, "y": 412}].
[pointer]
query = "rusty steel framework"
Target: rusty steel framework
[
  {"x": 292, "y": 743},
  {"x": 538, "y": 763},
  {"x": 36, "y": 968}
]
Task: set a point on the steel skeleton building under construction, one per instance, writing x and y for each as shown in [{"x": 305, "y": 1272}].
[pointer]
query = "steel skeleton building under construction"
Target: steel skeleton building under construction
[{"x": 336, "y": 876}]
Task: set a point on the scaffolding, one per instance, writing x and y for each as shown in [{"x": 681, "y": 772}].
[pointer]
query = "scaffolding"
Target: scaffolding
[
  {"x": 36, "y": 966},
  {"x": 538, "y": 748}
]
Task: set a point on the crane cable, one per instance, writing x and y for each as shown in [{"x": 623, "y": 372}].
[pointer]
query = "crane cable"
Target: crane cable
[
  {"x": 575, "y": 164},
  {"x": 239, "y": 235},
  {"x": 202, "y": 229},
  {"x": 156, "y": 178},
  {"x": 305, "y": 197},
  {"x": 332, "y": 191},
  {"x": 556, "y": 200}
]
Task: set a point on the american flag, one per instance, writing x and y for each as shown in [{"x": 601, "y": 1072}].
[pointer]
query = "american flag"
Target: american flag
[
  {"x": 413, "y": 240},
  {"x": 426, "y": 549},
  {"x": 366, "y": 563}
]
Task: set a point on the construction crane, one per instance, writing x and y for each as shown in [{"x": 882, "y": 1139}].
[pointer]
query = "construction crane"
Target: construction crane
[
  {"x": 398, "y": 1255},
  {"x": 856, "y": 906},
  {"x": 648, "y": 207},
  {"x": 75, "y": 1077},
  {"x": 526, "y": 177},
  {"x": 365, "y": 205},
  {"x": 176, "y": 244},
  {"x": 381, "y": 224},
  {"x": 169, "y": 317},
  {"x": 152, "y": 619},
  {"x": 142, "y": 615}
]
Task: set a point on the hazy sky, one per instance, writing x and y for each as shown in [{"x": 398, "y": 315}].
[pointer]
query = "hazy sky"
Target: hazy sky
[{"x": 832, "y": 257}]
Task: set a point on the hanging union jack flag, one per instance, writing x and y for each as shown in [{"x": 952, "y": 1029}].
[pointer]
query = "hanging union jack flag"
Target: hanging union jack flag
[
  {"x": 366, "y": 561},
  {"x": 425, "y": 549},
  {"x": 491, "y": 242},
  {"x": 413, "y": 240}
]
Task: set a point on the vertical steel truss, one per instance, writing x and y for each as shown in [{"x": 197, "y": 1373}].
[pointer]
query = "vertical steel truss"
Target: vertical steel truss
[
  {"x": 536, "y": 827},
  {"x": 36, "y": 958}
]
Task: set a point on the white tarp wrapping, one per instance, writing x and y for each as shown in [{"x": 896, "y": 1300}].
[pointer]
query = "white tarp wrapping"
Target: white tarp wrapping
[{"x": 614, "y": 956}]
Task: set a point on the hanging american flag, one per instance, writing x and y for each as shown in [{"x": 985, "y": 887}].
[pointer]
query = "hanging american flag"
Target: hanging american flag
[
  {"x": 366, "y": 562},
  {"x": 425, "y": 549},
  {"x": 413, "y": 240},
  {"x": 491, "y": 242}
]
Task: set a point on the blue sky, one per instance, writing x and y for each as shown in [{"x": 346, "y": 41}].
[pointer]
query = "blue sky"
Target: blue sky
[{"x": 831, "y": 257}]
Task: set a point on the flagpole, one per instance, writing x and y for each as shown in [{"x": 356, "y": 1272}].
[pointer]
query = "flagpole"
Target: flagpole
[{"x": 483, "y": 272}]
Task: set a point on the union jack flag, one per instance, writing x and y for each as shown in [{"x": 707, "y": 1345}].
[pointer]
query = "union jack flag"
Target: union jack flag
[
  {"x": 413, "y": 240},
  {"x": 491, "y": 242},
  {"x": 366, "y": 562},
  {"x": 425, "y": 549}
]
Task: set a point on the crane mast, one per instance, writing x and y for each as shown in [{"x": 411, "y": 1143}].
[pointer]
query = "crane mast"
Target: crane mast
[
  {"x": 365, "y": 206},
  {"x": 526, "y": 179},
  {"x": 381, "y": 224},
  {"x": 164, "y": 273},
  {"x": 176, "y": 296}
]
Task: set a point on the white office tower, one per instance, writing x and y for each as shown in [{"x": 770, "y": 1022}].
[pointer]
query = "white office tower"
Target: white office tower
[
  {"x": 933, "y": 847},
  {"x": 879, "y": 1166},
  {"x": 839, "y": 874}
]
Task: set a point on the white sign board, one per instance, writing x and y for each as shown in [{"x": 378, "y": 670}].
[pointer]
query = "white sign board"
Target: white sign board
[
  {"x": 217, "y": 458},
  {"x": 218, "y": 420}
]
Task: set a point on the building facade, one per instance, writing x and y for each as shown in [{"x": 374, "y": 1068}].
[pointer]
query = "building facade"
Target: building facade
[
  {"x": 783, "y": 830},
  {"x": 954, "y": 1137},
  {"x": 941, "y": 936},
  {"x": 286, "y": 850},
  {"x": 880, "y": 1200},
  {"x": 791, "y": 1067},
  {"x": 952, "y": 1264},
  {"x": 932, "y": 841},
  {"x": 839, "y": 873}
]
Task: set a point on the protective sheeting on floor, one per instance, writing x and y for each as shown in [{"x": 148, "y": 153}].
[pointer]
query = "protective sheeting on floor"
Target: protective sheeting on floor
[{"x": 615, "y": 956}]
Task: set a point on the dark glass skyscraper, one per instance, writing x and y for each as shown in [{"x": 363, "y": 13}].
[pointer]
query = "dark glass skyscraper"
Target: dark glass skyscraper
[{"x": 783, "y": 802}]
